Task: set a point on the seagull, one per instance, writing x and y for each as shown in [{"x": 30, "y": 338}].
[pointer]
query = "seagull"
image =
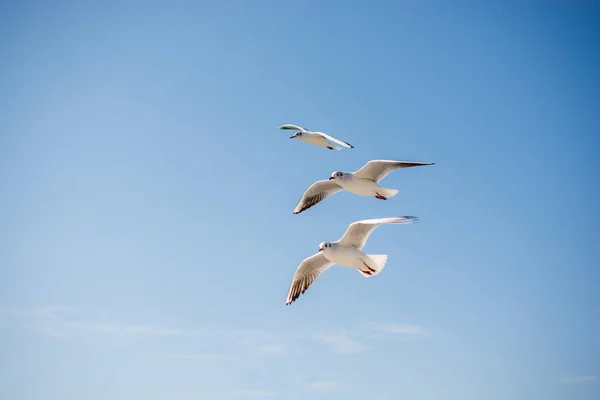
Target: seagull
[
  {"x": 317, "y": 138},
  {"x": 364, "y": 182},
  {"x": 346, "y": 252}
]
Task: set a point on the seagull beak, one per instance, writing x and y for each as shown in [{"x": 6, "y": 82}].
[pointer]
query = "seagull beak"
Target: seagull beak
[
  {"x": 291, "y": 137},
  {"x": 320, "y": 249},
  {"x": 331, "y": 178}
]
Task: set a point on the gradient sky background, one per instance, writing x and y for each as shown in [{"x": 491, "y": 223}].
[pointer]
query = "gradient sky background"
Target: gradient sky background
[{"x": 148, "y": 241}]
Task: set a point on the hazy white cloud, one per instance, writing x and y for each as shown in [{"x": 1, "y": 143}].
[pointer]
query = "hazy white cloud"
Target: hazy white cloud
[
  {"x": 275, "y": 349},
  {"x": 340, "y": 343},
  {"x": 252, "y": 393},
  {"x": 188, "y": 356},
  {"x": 344, "y": 344},
  {"x": 265, "y": 341},
  {"x": 580, "y": 379},
  {"x": 315, "y": 385},
  {"x": 322, "y": 386},
  {"x": 63, "y": 323},
  {"x": 394, "y": 328},
  {"x": 55, "y": 321}
]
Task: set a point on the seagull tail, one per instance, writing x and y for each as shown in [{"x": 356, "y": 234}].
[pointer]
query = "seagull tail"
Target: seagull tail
[
  {"x": 387, "y": 192},
  {"x": 373, "y": 264}
]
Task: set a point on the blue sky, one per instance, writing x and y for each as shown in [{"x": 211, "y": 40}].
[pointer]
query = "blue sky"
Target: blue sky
[{"x": 148, "y": 240}]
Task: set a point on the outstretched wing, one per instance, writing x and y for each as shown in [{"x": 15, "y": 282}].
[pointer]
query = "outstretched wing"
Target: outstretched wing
[
  {"x": 335, "y": 140},
  {"x": 315, "y": 193},
  {"x": 376, "y": 170},
  {"x": 293, "y": 127},
  {"x": 358, "y": 232},
  {"x": 308, "y": 271}
]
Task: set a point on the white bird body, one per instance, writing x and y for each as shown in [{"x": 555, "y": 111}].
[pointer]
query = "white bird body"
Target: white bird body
[
  {"x": 362, "y": 186},
  {"x": 316, "y": 138},
  {"x": 364, "y": 182},
  {"x": 346, "y": 256},
  {"x": 346, "y": 252}
]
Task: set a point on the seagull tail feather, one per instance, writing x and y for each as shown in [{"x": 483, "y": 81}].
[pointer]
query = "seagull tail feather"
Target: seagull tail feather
[
  {"x": 387, "y": 192},
  {"x": 373, "y": 264}
]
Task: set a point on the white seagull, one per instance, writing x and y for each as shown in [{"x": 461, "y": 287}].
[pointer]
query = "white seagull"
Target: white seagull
[
  {"x": 346, "y": 252},
  {"x": 364, "y": 182},
  {"x": 317, "y": 138}
]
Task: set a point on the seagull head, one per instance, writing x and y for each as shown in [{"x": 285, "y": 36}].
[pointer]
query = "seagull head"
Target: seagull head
[
  {"x": 295, "y": 135},
  {"x": 324, "y": 245},
  {"x": 336, "y": 175}
]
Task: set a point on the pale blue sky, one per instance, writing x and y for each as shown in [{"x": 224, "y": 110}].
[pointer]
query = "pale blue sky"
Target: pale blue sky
[{"x": 148, "y": 240}]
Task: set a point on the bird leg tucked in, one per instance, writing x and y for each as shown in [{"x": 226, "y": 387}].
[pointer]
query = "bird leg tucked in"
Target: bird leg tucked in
[{"x": 369, "y": 268}]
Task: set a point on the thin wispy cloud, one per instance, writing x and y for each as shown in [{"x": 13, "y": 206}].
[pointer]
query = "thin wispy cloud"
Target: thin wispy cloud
[
  {"x": 188, "y": 356},
  {"x": 322, "y": 386},
  {"x": 275, "y": 349},
  {"x": 55, "y": 322},
  {"x": 266, "y": 342},
  {"x": 254, "y": 393},
  {"x": 315, "y": 385},
  {"x": 61, "y": 322},
  {"x": 579, "y": 379},
  {"x": 340, "y": 343},
  {"x": 398, "y": 329}
]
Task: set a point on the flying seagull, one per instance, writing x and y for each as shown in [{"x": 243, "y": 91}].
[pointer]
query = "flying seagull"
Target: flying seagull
[
  {"x": 317, "y": 138},
  {"x": 364, "y": 182},
  {"x": 346, "y": 252}
]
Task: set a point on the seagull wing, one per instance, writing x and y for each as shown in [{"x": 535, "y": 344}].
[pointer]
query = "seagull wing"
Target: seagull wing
[
  {"x": 376, "y": 170},
  {"x": 308, "y": 271},
  {"x": 358, "y": 232},
  {"x": 293, "y": 127},
  {"x": 315, "y": 193},
  {"x": 335, "y": 140}
]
